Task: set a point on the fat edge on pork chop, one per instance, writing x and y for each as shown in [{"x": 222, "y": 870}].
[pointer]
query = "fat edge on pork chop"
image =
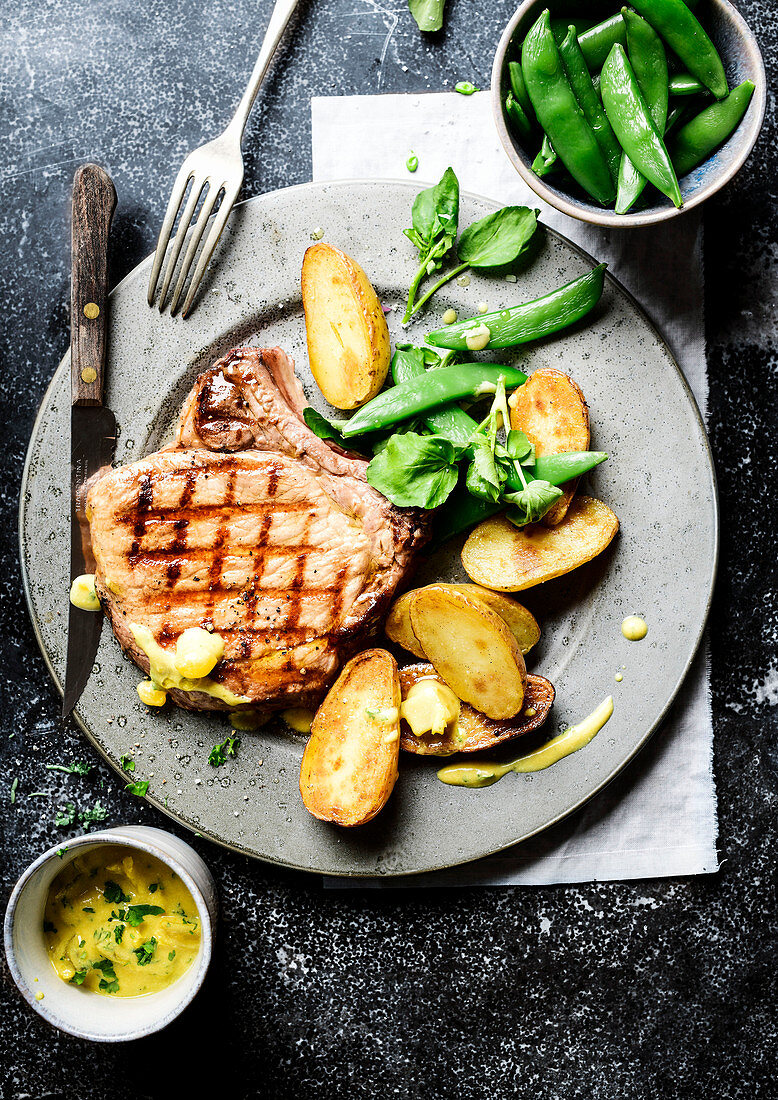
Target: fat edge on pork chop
[{"x": 251, "y": 526}]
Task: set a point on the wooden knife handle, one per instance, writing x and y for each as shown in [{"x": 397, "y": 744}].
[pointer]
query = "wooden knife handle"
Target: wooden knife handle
[{"x": 94, "y": 201}]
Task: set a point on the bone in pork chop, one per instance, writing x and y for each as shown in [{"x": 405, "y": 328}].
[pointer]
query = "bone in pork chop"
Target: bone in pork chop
[{"x": 251, "y": 526}]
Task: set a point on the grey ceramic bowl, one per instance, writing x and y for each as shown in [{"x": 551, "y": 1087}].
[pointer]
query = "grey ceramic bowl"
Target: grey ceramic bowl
[{"x": 742, "y": 61}]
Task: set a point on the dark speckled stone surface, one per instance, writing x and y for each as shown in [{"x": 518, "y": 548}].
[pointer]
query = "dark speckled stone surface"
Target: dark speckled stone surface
[{"x": 635, "y": 990}]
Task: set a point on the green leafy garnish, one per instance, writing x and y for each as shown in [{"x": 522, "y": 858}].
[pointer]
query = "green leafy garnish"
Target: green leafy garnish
[
  {"x": 108, "y": 982},
  {"x": 139, "y": 787},
  {"x": 14, "y": 786},
  {"x": 87, "y": 909},
  {"x": 153, "y": 887},
  {"x": 118, "y": 932},
  {"x": 219, "y": 753},
  {"x": 93, "y": 816},
  {"x": 171, "y": 956},
  {"x": 496, "y": 241},
  {"x": 61, "y": 851},
  {"x": 136, "y": 914},
  {"x": 76, "y": 767},
  {"x": 145, "y": 953},
  {"x": 113, "y": 892},
  {"x": 66, "y": 815},
  {"x": 415, "y": 471},
  {"x": 78, "y": 977},
  {"x": 427, "y": 13},
  {"x": 128, "y": 763},
  {"x": 435, "y": 216},
  {"x": 532, "y": 503}
]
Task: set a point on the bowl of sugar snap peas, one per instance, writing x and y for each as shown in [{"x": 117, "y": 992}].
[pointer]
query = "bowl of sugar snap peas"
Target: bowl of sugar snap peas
[{"x": 627, "y": 116}]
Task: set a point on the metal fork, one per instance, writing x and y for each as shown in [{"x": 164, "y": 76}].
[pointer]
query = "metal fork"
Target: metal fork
[{"x": 217, "y": 166}]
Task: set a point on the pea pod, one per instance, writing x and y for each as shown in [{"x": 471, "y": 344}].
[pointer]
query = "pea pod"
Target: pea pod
[
  {"x": 686, "y": 84},
  {"x": 546, "y": 161},
  {"x": 557, "y": 111},
  {"x": 695, "y": 141},
  {"x": 529, "y": 321},
  {"x": 418, "y": 395},
  {"x": 589, "y": 101},
  {"x": 684, "y": 34},
  {"x": 517, "y": 120},
  {"x": 649, "y": 63},
  {"x": 632, "y": 123},
  {"x": 462, "y": 510},
  {"x": 448, "y": 420},
  {"x": 597, "y": 42},
  {"x": 519, "y": 88}
]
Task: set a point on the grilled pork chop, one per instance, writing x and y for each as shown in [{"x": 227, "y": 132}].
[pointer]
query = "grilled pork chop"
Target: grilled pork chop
[{"x": 251, "y": 526}]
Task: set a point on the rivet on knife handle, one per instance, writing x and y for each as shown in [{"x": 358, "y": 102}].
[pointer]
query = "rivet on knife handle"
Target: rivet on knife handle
[{"x": 94, "y": 201}]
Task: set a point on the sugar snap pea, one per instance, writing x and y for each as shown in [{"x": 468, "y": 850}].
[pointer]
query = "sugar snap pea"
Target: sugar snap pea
[
  {"x": 684, "y": 34},
  {"x": 697, "y": 139},
  {"x": 589, "y": 101},
  {"x": 448, "y": 420},
  {"x": 632, "y": 123},
  {"x": 517, "y": 119},
  {"x": 519, "y": 88},
  {"x": 557, "y": 111},
  {"x": 462, "y": 510},
  {"x": 438, "y": 387},
  {"x": 686, "y": 84},
  {"x": 546, "y": 161},
  {"x": 507, "y": 328},
  {"x": 598, "y": 41},
  {"x": 649, "y": 64}
]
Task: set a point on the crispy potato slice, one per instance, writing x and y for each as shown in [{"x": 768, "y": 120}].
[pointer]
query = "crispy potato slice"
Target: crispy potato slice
[
  {"x": 398, "y": 625},
  {"x": 474, "y": 732},
  {"x": 521, "y": 622},
  {"x": 551, "y": 411},
  {"x": 509, "y": 559},
  {"x": 472, "y": 649},
  {"x": 348, "y": 338},
  {"x": 349, "y": 765}
]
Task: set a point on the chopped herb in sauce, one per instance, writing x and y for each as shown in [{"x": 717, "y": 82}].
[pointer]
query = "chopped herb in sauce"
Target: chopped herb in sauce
[
  {"x": 113, "y": 892},
  {"x": 145, "y": 953}
]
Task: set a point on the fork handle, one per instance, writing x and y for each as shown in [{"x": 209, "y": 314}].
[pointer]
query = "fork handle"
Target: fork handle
[
  {"x": 279, "y": 19},
  {"x": 94, "y": 201}
]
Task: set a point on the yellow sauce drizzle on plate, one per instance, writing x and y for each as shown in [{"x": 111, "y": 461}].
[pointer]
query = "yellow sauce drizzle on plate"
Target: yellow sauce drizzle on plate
[{"x": 484, "y": 773}]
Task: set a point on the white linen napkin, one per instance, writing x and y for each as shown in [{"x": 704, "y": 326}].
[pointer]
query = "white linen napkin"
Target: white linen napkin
[{"x": 658, "y": 818}]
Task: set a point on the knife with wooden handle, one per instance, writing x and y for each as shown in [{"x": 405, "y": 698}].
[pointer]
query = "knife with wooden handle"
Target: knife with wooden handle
[{"x": 92, "y": 426}]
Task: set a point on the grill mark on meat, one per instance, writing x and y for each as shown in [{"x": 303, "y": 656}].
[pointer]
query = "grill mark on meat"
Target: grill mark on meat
[
  {"x": 254, "y": 586},
  {"x": 145, "y": 499},
  {"x": 162, "y": 514}
]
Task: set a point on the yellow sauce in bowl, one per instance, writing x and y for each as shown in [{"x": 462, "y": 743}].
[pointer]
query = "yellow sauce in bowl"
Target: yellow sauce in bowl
[{"x": 120, "y": 922}]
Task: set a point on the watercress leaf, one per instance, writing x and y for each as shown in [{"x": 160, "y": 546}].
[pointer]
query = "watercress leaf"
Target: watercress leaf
[
  {"x": 321, "y": 426},
  {"x": 532, "y": 503},
  {"x": 415, "y": 471},
  {"x": 483, "y": 476},
  {"x": 517, "y": 444},
  {"x": 447, "y": 204},
  {"x": 499, "y": 238},
  {"x": 427, "y": 13}
]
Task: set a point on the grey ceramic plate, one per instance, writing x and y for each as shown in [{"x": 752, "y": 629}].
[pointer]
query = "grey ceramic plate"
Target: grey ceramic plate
[{"x": 660, "y": 482}]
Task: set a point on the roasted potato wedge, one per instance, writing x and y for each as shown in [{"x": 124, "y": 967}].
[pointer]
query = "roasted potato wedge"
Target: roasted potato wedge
[
  {"x": 398, "y": 625},
  {"x": 348, "y": 339},
  {"x": 472, "y": 649},
  {"x": 551, "y": 411},
  {"x": 349, "y": 765},
  {"x": 509, "y": 559},
  {"x": 474, "y": 732},
  {"x": 521, "y": 622}
]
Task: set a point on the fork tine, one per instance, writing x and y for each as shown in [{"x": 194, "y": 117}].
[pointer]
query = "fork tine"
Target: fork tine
[
  {"x": 178, "y": 241},
  {"x": 211, "y": 241},
  {"x": 194, "y": 241},
  {"x": 185, "y": 173}
]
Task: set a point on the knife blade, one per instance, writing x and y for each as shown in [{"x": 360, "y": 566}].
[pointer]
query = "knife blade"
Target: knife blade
[{"x": 92, "y": 425}]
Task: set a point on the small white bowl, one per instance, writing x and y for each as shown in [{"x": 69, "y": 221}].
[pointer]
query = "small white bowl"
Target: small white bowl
[{"x": 84, "y": 1014}]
